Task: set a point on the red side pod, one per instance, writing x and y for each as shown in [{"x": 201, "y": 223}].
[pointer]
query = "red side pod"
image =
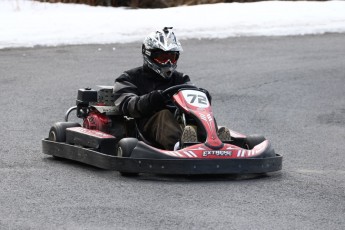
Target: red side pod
[{"x": 96, "y": 139}]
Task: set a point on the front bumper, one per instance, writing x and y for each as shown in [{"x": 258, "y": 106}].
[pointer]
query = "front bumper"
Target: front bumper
[{"x": 162, "y": 166}]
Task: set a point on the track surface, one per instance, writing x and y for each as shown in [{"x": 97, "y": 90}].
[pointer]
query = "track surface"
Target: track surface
[{"x": 290, "y": 89}]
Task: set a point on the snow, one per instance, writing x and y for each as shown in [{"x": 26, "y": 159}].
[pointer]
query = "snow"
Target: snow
[{"x": 25, "y": 23}]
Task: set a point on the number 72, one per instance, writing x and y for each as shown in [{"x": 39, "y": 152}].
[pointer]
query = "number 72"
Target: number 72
[{"x": 201, "y": 98}]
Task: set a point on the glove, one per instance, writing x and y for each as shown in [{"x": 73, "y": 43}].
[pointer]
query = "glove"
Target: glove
[
  {"x": 157, "y": 99},
  {"x": 207, "y": 94}
]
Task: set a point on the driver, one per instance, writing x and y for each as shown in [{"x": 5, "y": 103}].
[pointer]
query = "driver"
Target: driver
[{"x": 138, "y": 91}]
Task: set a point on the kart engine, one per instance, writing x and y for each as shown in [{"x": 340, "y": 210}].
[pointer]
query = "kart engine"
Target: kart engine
[
  {"x": 97, "y": 121},
  {"x": 93, "y": 119}
]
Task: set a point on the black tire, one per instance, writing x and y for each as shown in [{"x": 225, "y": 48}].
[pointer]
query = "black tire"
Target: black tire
[
  {"x": 126, "y": 146},
  {"x": 124, "y": 149},
  {"x": 58, "y": 131},
  {"x": 253, "y": 140}
]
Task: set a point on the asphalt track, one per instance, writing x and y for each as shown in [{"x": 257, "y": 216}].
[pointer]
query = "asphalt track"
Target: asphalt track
[{"x": 290, "y": 89}]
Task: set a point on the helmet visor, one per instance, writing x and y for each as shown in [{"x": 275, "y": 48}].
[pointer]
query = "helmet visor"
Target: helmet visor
[{"x": 163, "y": 58}]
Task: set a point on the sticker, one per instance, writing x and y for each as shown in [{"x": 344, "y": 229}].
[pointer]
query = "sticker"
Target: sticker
[
  {"x": 217, "y": 153},
  {"x": 196, "y": 98}
]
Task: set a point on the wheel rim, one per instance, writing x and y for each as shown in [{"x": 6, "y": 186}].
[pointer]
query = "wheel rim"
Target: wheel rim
[
  {"x": 119, "y": 152},
  {"x": 52, "y": 136}
]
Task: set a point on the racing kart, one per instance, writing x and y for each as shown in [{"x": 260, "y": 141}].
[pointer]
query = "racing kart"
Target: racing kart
[{"x": 108, "y": 140}]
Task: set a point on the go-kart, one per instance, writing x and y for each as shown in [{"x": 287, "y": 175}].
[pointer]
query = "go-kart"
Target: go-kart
[{"x": 109, "y": 140}]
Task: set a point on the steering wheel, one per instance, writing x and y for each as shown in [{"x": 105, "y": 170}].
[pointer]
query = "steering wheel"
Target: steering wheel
[{"x": 173, "y": 89}]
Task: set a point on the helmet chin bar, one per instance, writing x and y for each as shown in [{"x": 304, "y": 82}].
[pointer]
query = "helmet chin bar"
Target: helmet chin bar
[{"x": 165, "y": 72}]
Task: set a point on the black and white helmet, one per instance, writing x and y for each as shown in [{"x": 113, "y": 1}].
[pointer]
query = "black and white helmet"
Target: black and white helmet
[{"x": 161, "y": 50}]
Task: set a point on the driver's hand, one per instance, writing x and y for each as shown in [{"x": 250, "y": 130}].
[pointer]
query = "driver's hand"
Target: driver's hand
[{"x": 157, "y": 99}]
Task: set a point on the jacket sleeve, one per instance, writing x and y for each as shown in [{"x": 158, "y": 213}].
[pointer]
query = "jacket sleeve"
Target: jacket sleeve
[{"x": 128, "y": 100}]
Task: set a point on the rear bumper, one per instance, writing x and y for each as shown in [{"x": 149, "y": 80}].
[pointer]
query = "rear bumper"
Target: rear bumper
[{"x": 162, "y": 166}]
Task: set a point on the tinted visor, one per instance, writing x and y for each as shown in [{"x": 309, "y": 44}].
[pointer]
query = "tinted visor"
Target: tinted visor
[{"x": 163, "y": 58}]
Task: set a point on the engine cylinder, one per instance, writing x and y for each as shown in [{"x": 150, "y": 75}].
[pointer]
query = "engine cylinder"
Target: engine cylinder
[{"x": 97, "y": 121}]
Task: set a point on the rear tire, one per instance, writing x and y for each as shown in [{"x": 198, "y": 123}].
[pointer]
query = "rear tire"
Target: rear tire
[
  {"x": 124, "y": 149},
  {"x": 253, "y": 140},
  {"x": 57, "y": 132}
]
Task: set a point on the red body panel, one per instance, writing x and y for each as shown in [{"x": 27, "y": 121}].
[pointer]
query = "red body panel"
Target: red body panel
[
  {"x": 227, "y": 152},
  {"x": 196, "y": 103}
]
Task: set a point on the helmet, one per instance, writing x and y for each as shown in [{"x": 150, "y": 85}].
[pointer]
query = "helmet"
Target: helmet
[{"x": 161, "y": 50}]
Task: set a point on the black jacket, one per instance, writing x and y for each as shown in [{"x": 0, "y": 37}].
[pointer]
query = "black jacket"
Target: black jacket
[{"x": 132, "y": 90}]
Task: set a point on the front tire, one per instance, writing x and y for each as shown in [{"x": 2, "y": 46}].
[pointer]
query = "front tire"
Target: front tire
[
  {"x": 124, "y": 149},
  {"x": 253, "y": 140},
  {"x": 126, "y": 146}
]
